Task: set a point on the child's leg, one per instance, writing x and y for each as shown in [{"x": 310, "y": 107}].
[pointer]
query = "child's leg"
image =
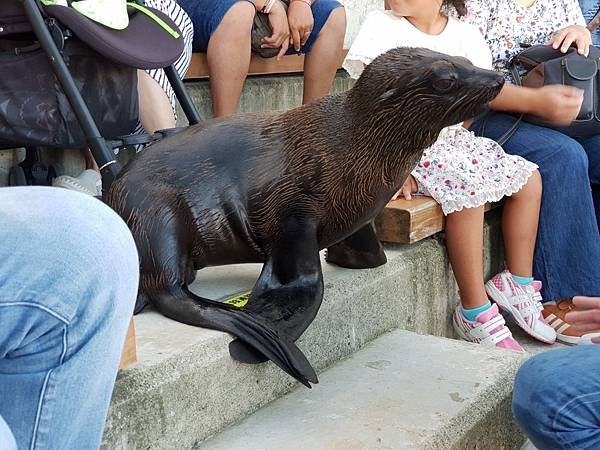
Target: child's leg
[
  {"x": 519, "y": 226},
  {"x": 464, "y": 241},
  {"x": 323, "y": 59},
  {"x": 478, "y": 320},
  {"x": 513, "y": 290},
  {"x": 228, "y": 58}
]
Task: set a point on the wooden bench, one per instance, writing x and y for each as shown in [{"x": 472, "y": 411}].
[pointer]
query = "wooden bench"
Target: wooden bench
[
  {"x": 128, "y": 357},
  {"x": 258, "y": 66},
  {"x": 408, "y": 221}
]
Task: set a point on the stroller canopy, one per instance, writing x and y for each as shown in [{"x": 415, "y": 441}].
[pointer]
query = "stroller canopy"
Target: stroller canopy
[{"x": 143, "y": 44}]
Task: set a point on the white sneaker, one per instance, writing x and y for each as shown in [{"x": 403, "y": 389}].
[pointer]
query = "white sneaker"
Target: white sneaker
[
  {"x": 89, "y": 182},
  {"x": 523, "y": 303}
]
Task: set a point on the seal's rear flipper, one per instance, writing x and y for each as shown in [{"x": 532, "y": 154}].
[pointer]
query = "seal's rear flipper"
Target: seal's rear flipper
[
  {"x": 186, "y": 307},
  {"x": 244, "y": 353}
]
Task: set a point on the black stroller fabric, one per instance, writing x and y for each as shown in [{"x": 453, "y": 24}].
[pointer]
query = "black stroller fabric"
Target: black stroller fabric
[{"x": 35, "y": 111}]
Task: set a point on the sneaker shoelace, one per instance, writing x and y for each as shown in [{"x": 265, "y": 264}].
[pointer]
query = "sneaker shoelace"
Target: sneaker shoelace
[
  {"x": 527, "y": 303},
  {"x": 536, "y": 298}
]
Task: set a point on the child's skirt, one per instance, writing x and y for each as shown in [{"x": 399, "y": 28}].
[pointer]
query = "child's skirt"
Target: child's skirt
[{"x": 462, "y": 170}]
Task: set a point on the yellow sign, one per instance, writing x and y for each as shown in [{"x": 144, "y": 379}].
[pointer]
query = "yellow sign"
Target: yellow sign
[{"x": 239, "y": 300}]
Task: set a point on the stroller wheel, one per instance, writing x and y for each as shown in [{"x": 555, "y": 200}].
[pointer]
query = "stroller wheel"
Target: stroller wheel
[{"x": 16, "y": 176}]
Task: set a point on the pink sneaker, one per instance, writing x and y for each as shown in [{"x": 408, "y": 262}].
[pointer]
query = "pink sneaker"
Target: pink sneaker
[
  {"x": 523, "y": 303},
  {"x": 489, "y": 329}
]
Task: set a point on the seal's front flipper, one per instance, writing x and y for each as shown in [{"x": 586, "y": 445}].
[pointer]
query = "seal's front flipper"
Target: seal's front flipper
[
  {"x": 289, "y": 292},
  {"x": 361, "y": 250}
]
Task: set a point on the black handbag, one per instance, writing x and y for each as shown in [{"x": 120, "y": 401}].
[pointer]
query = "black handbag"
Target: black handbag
[
  {"x": 541, "y": 65},
  {"x": 261, "y": 28}
]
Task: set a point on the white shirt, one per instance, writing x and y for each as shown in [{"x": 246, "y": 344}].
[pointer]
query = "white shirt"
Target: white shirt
[{"x": 382, "y": 31}]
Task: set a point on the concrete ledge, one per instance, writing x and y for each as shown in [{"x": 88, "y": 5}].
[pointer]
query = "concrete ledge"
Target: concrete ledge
[
  {"x": 401, "y": 391},
  {"x": 185, "y": 387},
  {"x": 261, "y": 93}
]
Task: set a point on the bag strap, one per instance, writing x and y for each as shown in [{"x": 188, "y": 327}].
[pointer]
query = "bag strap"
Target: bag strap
[
  {"x": 514, "y": 71},
  {"x": 595, "y": 22},
  {"x": 512, "y": 130}
]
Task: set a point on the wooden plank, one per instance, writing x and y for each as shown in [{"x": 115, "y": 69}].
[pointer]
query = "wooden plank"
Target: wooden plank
[
  {"x": 258, "y": 66},
  {"x": 409, "y": 221},
  {"x": 129, "y": 356}
]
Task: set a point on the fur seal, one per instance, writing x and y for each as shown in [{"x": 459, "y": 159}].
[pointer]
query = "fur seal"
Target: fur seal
[{"x": 276, "y": 188}]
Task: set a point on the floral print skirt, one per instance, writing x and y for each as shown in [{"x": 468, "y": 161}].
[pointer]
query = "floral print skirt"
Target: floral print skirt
[{"x": 462, "y": 170}]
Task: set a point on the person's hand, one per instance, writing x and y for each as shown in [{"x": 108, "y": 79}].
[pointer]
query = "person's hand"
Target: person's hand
[
  {"x": 408, "y": 188},
  {"x": 301, "y": 22},
  {"x": 557, "y": 104},
  {"x": 281, "y": 30},
  {"x": 577, "y": 34},
  {"x": 588, "y": 318}
]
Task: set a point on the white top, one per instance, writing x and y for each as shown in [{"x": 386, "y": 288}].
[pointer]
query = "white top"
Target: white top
[
  {"x": 506, "y": 24},
  {"x": 382, "y": 31}
]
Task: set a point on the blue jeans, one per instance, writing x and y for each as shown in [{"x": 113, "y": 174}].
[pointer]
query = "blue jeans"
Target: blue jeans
[
  {"x": 556, "y": 399},
  {"x": 567, "y": 251},
  {"x": 589, "y": 9},
  {"x": 68, "y": 282}
]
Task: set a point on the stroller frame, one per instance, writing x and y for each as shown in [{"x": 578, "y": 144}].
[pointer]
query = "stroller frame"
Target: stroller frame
[{"x": 98, "y": 145}]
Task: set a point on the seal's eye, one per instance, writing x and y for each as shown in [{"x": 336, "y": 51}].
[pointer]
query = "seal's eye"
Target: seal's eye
[{"x": 444, "y": 84}]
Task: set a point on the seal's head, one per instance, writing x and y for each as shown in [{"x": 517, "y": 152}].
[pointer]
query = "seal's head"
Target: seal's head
[{"x": 425, "y": 91}]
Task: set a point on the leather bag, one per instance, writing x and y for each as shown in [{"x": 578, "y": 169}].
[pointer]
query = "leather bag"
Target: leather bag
[{"x": 262, "y": 29}]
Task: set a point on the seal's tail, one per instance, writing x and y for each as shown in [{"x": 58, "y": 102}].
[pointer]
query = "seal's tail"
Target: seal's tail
[{"x": 184, "y": 306}]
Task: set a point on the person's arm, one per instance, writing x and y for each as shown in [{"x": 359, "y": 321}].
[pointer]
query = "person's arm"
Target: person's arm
[
  {"x": 301, "y": 22},
  {"x": 557, "y": 104},
  {"x": 279, "y": 24}
]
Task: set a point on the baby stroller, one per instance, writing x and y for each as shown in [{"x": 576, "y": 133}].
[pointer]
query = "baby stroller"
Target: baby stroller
[{"x": 69, "y": 82}]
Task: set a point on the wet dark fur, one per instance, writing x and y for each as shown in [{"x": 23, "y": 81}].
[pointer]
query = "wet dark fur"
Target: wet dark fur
[{"x": 277, "y": 188}]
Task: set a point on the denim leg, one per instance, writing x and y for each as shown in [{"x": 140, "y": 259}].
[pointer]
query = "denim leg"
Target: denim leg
[
  {"x": 7, "y": 440},
  {"x": 556, "y": 399},
  {"x": 567, "y": 252},
  {"x": 591, "y": 146},
  {"x": 68, "y": 277},
  {"x": 589, "y": 9}
]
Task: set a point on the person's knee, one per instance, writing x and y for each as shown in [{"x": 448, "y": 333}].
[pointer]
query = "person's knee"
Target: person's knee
[
  {"x": 237, "y": 22},
  {"x": 526, "y": 381},
  {"x": 532, "y": 189},
  {"x": 336, "y": 23},
  {"x": 67, "y": 245},
  {"x": 573, "y": 158},
  {"x": 108, "y": 252},
  {"x": 533, "y": 401}
]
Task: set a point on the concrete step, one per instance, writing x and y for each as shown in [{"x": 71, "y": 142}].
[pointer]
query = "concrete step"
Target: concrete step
[
  {"x": 402, "y": 391},
  {"x": 185, "y": 386}
]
